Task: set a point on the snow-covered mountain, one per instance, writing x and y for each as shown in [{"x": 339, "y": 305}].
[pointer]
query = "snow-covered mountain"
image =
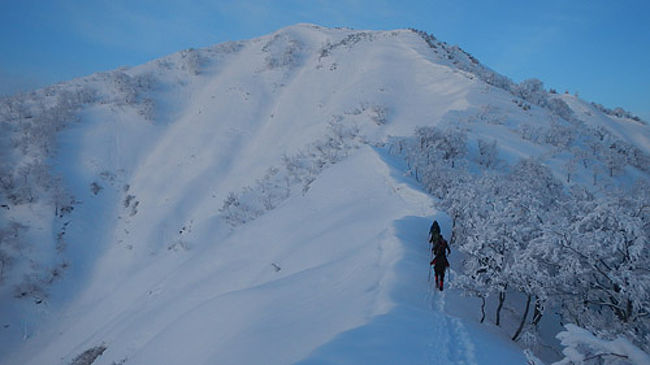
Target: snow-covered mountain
[{"x": 259, "y": 202}]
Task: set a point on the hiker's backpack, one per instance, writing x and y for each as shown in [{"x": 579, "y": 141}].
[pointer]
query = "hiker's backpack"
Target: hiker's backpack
[
  {"x": 439, "y": 263},
  {"x": 435, "y": 237},
  {"x": 435, "y": 227},
  {"x": 440, "y": 247},
  {"x": 434, "y": 233}
]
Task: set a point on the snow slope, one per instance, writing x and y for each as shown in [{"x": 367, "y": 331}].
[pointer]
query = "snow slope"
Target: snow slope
[
  {"x": 332, "y": 272},
  {"x": 351, "y": 289}
]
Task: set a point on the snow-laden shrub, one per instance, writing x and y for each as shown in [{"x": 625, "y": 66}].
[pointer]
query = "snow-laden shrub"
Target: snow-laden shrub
[
  {"x": 191, "y": 61},
  {"x": 533, "y": 133},
  {"x": 432, "y": 156},
  {"x": 560, "y": 108},
  {"x": 581, "y": 347},
  {"x": 613, "y": 152},
  {"x": 378, "y": 113},
  {"x": 126, "y": 89},
  {"x": 638, "y": 159},
  {"x": 295, "y": 174},
  {"x": 11, "y": 245},
  {"x": 89, "y": 356},
  {"x": 29, "y": 125},
  {"x": 28, "y": 140},
  {"x": 487, "y": 153},
  {"x": 559, "y": 135},
  {"x": 282, "y": 51},
  {"x": 532, "y": 90},
  {"x": 449, "y": 145},
  {"x": 347, "y": 42},
  {"x": 617, "y": 112}
]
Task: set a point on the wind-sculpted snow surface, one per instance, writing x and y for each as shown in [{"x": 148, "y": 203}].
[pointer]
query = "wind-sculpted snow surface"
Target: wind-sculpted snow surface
[{"x": 246, "y": 203}]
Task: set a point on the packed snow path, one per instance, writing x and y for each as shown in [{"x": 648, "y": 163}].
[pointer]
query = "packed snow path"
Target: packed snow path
[
  {"x": 451, "y": 342},
  {"x": 416, "y": 330}
]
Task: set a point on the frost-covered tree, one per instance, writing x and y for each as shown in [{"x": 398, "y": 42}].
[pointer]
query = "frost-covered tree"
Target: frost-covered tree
[
  {"x": 534, "y": 196},
  {"x": 581, "y": 254},
  {"x": 617, "y": 112},
  {"x": 601, "y": 261},
  {"x": 29, "y": 125},
  {"x": 498, "y": 219},
  {"x": 532, "y": 90},
  {"x": 11, "y": 245},
  {"x": 191, "y": 61},
  {"x": 282, "y": 51},
  {"x": 431, "y": 157},
  {"x": 449, "y": 145},
  {"x": 571, "y": 166},
  {"x": 639, "y": 159},
  {"x": 487, "y": 153},
  {"x": 560, "y": 108},
  {"x": 615, "y": 158},
  {"x": 483, "y": 237},
  {"x": 560, "y": 135}
]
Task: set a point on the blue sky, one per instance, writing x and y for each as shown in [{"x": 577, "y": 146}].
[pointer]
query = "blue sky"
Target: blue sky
[{"x": 599, "y": 48}]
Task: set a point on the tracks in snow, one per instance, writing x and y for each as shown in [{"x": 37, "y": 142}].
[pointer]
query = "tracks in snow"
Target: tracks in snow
[{"x": 451, "y": 343}]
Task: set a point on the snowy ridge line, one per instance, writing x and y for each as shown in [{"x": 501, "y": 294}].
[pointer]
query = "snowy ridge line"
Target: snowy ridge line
[
  {"x": 531, "y": 90},
  {"x": 465, "y": 61},
  {"x": 618, "y": 112},
  {"x": 347, "y": 42},
  {"x": 296, "y": 173},
  {"x": 195, "y": 60}
]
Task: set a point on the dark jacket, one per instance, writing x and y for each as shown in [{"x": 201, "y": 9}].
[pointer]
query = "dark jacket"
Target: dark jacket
[
  {"x": 440, "y": 263},
  {"x": 434, "y": 231},
  {"x": 441, "y": 247}
]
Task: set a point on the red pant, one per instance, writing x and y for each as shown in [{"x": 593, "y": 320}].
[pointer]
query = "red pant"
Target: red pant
[{"x": 440, "y": 278}]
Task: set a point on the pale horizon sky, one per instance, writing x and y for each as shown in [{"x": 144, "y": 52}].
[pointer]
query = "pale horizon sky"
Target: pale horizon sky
[{"x": 598, "y": 48}]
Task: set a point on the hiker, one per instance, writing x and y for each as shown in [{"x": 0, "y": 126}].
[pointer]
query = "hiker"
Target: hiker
[
  {"x": 440, "y": 264},
  {"x": 434, "y": 232},
  {"x": 441, "y": 247},
  {"x": 438, "y": 243}
]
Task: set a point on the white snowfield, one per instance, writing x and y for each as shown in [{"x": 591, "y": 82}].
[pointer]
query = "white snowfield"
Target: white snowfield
[{"x": 333, "y": 273}]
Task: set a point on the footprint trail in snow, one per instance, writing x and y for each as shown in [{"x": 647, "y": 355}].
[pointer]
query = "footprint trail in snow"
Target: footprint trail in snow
[{"x": 451, "y": 343}]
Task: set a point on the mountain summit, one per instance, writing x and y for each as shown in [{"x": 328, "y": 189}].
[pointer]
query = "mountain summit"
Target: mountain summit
[{"x": 261, "y": 201}]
